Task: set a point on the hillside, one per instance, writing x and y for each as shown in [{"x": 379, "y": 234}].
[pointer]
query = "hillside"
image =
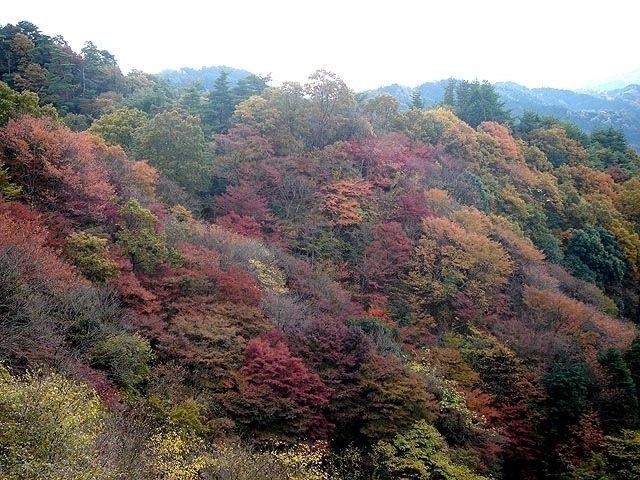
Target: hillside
[{"x": 294, "y": 282}]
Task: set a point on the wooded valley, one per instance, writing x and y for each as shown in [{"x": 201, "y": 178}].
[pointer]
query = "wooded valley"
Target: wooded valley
[{"x": 245, "y": 281}]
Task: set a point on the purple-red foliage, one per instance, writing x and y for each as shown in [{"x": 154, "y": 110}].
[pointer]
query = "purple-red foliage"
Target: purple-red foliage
[
  {"x": 246, "y": 142},
  {"x": 385, "y": 256},
  {"x": 274, "y": 393},
  {"x": 96, "y": 379},
  {"x": 243, "y": 199},
  {"x": 325, "y": 295},
  {"x": 336, "y": 352},
  {"x": 381, "y": 158},
  {"x": 237, "y": 286},
  {"x": 243, "y": 210},
  {"x": 245, "y": 225}
]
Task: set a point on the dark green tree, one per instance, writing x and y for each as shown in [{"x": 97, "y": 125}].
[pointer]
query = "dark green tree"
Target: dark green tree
[
  {"x": 528, "y": 122},
  {"x": 468, "y": 189},
  {"x": 416, "y": 100},
  {"x": 174, "y": 143},
  {"x": 621, "y": 405},
  {"x": 100, "y": 71},
  {"x": 478, "y": 102},
  {"x": 608, "y": 148},
  {"x": 249, "y": 86},
  {"x": 594, "y": 254},
  {"x": 148, "y": 93},
  {"x": 63, "y": 81},
  {"x": 192, "y": 100},
  {"x": 610, "y": 138},
  {"x": 24, "y": 55},
  {"x": 219, "y": 106},
  {"x": 449, "y": 98},
  {"x": 632, "y": 357},
  {"x": 32, "y": 61},
  {"x": 566, "y": 387}
]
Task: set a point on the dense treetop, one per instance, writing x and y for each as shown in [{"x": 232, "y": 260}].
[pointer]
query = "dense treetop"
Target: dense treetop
[{"x": 297, "y": 282}]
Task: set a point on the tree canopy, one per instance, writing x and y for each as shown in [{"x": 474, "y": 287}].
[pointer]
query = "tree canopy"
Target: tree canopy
[{"x": 230, "y": 279}]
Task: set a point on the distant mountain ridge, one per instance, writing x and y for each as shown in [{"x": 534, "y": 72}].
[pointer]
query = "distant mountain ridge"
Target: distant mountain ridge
[
  {"x": 205, "y": 76},
  {"x": 618, "y": 108},
  {"x": 618, "y": 82}
]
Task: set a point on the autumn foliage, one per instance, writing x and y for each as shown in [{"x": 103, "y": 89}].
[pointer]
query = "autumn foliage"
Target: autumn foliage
[
  {"x": 314, "y": 285},
  {"x": 57, "y": 169}
]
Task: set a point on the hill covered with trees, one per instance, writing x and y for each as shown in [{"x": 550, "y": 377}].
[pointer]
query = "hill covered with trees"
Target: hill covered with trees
[
  {"x": 298, "y": 282},
  {"x": 588, "y": 110}
]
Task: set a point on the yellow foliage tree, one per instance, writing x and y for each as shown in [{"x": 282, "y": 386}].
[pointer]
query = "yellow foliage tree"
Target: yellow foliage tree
[
  {"x": 451, "y": 259},
  {"x": 48, "y": 428},
  {"x": 421, "y": 453},
  {"x": 176, "y": 456}
]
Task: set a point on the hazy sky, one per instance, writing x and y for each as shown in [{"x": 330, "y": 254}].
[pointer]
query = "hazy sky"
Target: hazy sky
[{"x": 555, "y": 43}]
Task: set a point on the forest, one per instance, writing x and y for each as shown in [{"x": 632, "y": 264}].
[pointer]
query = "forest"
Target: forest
[{"x": 303, "y": 282}]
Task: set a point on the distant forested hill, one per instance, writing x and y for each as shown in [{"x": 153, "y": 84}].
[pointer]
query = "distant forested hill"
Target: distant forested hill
[
  {"x": 619, "y": 108},
  {"x": 205, "y": 75}
]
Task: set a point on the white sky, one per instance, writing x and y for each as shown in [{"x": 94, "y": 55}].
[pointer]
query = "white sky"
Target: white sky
[{"x": 554, "y": 43}]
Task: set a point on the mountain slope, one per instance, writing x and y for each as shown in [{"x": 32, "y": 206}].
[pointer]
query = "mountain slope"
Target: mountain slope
[{"x": 306, "y": 284}]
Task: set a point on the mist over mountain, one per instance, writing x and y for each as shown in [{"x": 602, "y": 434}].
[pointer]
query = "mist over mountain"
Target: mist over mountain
[{"x": 615, "y": 82}]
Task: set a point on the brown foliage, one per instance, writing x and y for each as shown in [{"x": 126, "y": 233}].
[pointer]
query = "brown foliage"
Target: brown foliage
[
  {"x": 129, "y": 287},
  {"x": 244, "y": 141},
  {"x": 394, "y": 398},
  {"x": 450, "y": 259},
  {"x": 588, "y": 180},
  {"x": 243, "y": 199},
  {"x": 57, "y": 168},
  {"x": 237, "y": 286},
  {"x": 24, "y": 236},
  {"x": 245, "y": 225},
  {"x": 210, "y": 338},
  {"x": 323, "y": 295},
  {"x": 590, "y": 329},
  {"x": 508, "y": 146},
  {"x": 586, "y": 438},
  {"x": 341, "y": 200}
]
